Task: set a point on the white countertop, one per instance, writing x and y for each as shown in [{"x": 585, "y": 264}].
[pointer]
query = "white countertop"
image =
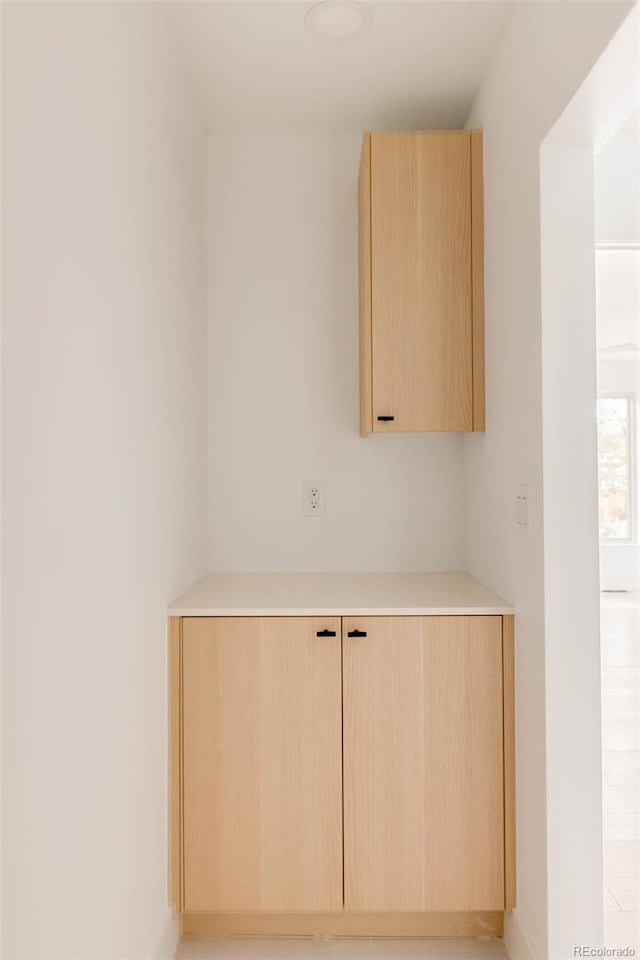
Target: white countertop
[{"x": 341, "y": 594}]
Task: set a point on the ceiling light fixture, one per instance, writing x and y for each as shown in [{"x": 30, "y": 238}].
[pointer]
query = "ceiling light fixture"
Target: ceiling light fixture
[{"x": 338, "y": 19}]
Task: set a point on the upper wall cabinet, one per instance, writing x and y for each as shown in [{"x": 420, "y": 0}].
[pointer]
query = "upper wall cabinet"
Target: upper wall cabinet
[{"x": 421, "y": 282}]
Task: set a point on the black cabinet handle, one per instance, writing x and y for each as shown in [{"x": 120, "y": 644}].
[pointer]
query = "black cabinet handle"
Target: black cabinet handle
[
  {"x": 385, "y": 419},
  {"x": 357, "y": 633},
  {"x": 326, "y": 633}
]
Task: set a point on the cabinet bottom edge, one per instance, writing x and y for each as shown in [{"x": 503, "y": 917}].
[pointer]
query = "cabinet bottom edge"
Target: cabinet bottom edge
[{"x": 397, "y": 925}]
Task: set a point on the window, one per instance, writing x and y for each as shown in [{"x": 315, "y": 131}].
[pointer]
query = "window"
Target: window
[{"x": 615, "y": 467}]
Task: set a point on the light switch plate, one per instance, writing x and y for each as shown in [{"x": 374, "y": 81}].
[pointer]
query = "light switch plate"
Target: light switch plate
[{"x": 523, "y": 510}]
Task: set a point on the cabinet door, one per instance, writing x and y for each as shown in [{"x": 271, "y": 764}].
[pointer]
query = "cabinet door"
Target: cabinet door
[
  {"x": 423, "y": 764},
  {"x": 421, "y": 281},
  {"x": 262, "y": 764}
]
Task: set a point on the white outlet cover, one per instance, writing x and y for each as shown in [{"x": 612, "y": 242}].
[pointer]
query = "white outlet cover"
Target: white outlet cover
[
  {"x": 314, "y": 499},
  {"x": 523, "y": 510}
]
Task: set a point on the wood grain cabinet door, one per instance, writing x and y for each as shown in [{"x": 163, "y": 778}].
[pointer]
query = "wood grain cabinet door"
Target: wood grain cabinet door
[
  {"x": 423, "y": 764},
  {"x": 262, "y": 764},
  {"x": 421, "y": 281}
]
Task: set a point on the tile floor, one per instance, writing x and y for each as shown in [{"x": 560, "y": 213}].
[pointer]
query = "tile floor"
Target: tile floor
[
  {"x": 341, "y": 950},
  {"x": 620, "y": 638}
]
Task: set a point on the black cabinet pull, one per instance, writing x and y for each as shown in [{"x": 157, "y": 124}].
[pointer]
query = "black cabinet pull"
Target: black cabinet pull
[
  {"x": 326, "y": 633},
  {"x": 385, "y": 419},
  {"x": 357, "y": 633}
]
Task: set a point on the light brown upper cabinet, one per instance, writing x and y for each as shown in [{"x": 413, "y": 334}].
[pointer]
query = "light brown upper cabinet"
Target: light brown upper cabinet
[
  {"x": 262, "y": 764},
  {"x": 421, "y": 282}
]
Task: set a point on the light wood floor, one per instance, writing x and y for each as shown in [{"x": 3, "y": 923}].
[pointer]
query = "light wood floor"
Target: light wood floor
[
  {"x": 341, "y": 950},
  {"x": 620, "y": 639}
]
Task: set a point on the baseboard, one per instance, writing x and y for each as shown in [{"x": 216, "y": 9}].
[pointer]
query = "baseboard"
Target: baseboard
[
  {"x": 517, "y": 940},
  {"x": 472, "y": 924},
  {"x": 165, "y": 943}
]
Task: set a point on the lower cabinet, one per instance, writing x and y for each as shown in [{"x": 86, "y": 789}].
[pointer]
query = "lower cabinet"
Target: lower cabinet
[
  {"x": 342, "y": 766},
  {"x": 423, "y": 764},
  {"x": 262, "y": 765}
]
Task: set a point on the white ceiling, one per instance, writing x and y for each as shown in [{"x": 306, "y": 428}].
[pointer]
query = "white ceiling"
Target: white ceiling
[{"x": 257, "y": 66}]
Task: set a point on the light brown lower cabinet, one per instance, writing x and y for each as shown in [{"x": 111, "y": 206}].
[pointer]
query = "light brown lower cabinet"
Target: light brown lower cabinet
[
  {"x": 342, "y": 775},
  {"x": 423, "y": 764},
  {"x": 262, "y": 764}
]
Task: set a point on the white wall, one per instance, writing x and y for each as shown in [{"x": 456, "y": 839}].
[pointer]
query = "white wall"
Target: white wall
[
  {"x": 617, "y": 186},
  {"x": 2, "y": 6},
  {"x": 544, "y": 54},
  {"x": 104, "y": 347},
  {"x": 283, "y": 377},
  {"x": 573, "y": 697},
  {"x": 572, "y": 600}
]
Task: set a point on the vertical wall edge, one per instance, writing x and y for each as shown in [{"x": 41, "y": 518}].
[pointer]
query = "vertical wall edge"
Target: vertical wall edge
[{"x": 477, "y": 280}]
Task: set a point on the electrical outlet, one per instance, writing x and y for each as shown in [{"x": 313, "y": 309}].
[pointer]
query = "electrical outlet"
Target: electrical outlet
[
  {"x": 523, "y": 510},
  {"x": 314, "y": 500}
]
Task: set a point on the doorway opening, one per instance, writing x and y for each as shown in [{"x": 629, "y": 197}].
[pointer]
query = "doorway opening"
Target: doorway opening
[
  {"x": 617, "y": 260},
  {"x": 575, "y": 507}
]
